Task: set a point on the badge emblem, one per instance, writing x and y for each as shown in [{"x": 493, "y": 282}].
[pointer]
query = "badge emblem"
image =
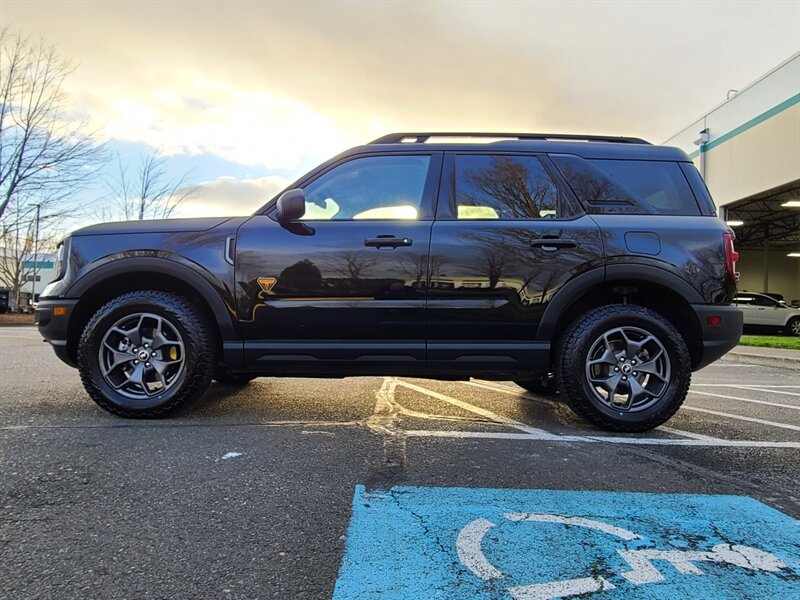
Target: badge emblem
[{"x": 267, "y": 283}]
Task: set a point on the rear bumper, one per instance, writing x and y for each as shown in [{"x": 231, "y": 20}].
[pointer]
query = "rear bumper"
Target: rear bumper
[
  {"x": 717, "y": 339},
  {"x": 54, "y": 327}
]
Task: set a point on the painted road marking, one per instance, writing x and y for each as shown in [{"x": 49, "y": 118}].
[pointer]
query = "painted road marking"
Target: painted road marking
[
  {"x": 741, "y": 418},
  {"x": 633, "y": 441},
  {"x": 744, "y": 385},
  {"x": 740, "y": 399},
  {"x": 532, "y": 431},
  {"x": 756, "y": 388},
  {"x": 412, "y": 542},
  {"x": 517, "y": 392}
]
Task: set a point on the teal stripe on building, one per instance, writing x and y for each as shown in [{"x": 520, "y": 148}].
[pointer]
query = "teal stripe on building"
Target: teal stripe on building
[{"x": 788, "y": 103}]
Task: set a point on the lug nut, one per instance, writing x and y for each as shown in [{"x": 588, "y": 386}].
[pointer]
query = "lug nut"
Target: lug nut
[
  {"x": 635, "y": 374},
  {"x": 616, "y": 369},
  {"x": 147, "y": 345},
  {"x": 147, "y": 364},
  {"x": 136, "y": 362},
  {"x": 633, "y": 362},
  {"x": 624, "y": 378}
]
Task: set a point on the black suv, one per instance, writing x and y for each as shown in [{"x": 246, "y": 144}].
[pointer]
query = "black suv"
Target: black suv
[{"x": 592, "y": 266}]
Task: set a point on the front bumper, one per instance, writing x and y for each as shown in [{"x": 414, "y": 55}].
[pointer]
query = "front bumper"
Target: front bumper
[
  {"x": 719, "y": 339},
  {"x": 54, "y": 327}
]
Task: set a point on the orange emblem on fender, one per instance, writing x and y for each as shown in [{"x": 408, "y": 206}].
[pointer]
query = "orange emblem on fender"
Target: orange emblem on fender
[{"x": 267, "y": 283}]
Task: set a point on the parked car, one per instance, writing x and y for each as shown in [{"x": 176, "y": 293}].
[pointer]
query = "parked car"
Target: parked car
[
  {"x": 763, "y": 310},
  {"x": 592, "y": 265}
]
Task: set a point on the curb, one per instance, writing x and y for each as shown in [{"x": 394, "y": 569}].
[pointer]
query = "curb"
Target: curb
[{"x": 764, "y": 360}]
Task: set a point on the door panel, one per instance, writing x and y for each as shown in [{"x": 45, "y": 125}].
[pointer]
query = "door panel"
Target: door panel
[
  {"x": 506, "y": 239},
  {"x": 341, "y": 291},
  {"x": 325, "y": 296},
  {"x": 489, "y": 287}
]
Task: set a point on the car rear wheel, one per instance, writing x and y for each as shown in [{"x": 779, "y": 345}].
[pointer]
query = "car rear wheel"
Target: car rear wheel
[
  {"x": 146, "y": 353},
  {"x": 623, "y": 368}
]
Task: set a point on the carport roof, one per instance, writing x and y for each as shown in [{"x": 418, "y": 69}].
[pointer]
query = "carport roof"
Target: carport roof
[{"x": 765, "y": 219}]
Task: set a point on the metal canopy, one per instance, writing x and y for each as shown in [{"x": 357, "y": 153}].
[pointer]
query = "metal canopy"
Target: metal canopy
[{"x": 766, "y": 220}]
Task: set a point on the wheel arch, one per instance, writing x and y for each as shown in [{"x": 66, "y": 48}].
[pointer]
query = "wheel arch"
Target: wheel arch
[
  {"x": 109, "y": 280},
  {"x": 648, "y": 286}
]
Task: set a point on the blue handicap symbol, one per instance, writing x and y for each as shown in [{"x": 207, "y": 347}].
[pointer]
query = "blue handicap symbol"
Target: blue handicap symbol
[{"x": 415, "y": 542}]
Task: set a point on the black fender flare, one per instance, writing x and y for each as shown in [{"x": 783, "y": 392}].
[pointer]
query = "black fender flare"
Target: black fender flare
[
  {"x": 580, "y": 284},
  {"x": 223, "y": 314}
]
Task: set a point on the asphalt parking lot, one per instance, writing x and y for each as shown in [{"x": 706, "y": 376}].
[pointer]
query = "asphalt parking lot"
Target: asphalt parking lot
[{"x": 393, "y": 488}]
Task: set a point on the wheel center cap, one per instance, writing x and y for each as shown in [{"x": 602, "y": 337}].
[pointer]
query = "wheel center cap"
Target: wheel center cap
[
  {"x": 144, "y": 355},
  {"x": 626, "y": 369}
]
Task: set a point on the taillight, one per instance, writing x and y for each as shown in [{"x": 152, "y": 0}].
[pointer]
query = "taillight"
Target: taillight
[{"x": 731, "y": 256}]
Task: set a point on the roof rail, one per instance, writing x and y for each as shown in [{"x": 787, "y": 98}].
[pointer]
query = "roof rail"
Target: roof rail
[{"x": 419, "y": 138}]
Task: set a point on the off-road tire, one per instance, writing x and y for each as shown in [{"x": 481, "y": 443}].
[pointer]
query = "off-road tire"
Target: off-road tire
[
  {"x": 199, "y": 354},
  {"x": 571, "y": 366}
]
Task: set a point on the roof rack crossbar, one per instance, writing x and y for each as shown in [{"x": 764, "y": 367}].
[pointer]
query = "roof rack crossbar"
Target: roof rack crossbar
[{"x": 419, "y": 138}]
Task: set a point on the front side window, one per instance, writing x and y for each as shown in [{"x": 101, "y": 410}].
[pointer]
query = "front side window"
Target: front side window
[
  {"x": 504, "y": 187},
  {"x": 371, "y": 188}
]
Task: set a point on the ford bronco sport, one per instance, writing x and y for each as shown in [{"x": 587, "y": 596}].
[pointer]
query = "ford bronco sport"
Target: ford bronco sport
[{"x": 591, "y": 266}]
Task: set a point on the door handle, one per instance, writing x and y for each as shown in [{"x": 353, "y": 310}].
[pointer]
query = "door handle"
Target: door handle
[
  {"x": 387, "y": 241},
  {"x": 551, "y": 244}
]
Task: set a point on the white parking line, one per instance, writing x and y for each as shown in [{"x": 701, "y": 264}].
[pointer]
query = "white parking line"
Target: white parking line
[
  {"x": 740, "y": 399},
  {"x": 544, "y": 436},
  {"x": 766, "y": 387},
  {"x": 769, "y": 391},
  {"x": 739, "y": 385},
  {"x": 633, "y": 441},
  {"x": 498, "y": 387},
  {"x": 531, "y": 431},
  {"x": 742, "y": 418}
]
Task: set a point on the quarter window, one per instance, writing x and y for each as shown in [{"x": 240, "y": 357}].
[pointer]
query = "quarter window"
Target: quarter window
[
  {"x": 371, "y": 188},
  {"x": 629, "y": 186},
  {"x": 504, "y": 187}
]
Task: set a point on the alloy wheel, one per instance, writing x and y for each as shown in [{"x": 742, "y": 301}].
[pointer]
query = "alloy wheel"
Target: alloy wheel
[
  {"x": 142, "y": 355},
  {"x": 628, "y": 369}
]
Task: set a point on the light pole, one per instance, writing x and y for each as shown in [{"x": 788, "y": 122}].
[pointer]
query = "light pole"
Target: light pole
[{"x": 35, "y": 254}]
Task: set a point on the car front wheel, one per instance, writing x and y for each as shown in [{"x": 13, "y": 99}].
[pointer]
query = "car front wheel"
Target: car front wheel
[
  {"x": 623, "y": 368},
  {"x": 793, "y": 326},
  {"x": 146, "y": 353}
]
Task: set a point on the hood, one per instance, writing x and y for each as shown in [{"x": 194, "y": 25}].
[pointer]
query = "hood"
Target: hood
[{"x": 155, "y": 226}]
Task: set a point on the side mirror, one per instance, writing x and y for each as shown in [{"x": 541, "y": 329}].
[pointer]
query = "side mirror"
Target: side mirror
[{"x": 291, "y": 205}]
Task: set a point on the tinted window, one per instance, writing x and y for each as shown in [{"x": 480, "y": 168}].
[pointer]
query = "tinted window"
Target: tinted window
[
  {"x": 376, "y": 187},
  {"x": 632, "y": 186},
  {"x": 761, "y": 300},
  {"x": 504, "y": 187}
]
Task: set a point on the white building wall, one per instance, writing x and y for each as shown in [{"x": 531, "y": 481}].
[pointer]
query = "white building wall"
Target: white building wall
[{"x": 754, "y": 143}]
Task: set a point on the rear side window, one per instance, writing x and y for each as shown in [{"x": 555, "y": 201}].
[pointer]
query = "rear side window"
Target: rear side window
[
  {"x": 504, "y": 187},
  {"x": 629, "y": 186}
]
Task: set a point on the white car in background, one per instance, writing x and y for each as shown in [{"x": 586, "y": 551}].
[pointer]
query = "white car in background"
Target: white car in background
[{"x": 762, "y": 310}]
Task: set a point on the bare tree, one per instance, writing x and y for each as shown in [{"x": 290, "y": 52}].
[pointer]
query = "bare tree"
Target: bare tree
[
  {"x": 45, "y": 155},
  {"x": 149, "y": 193},
  {"x": 21, "y": 246},
  {"x": 351, "y": 266}
]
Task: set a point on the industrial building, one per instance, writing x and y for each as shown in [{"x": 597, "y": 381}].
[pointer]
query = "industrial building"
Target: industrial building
[{"x": 748, "y": 150}]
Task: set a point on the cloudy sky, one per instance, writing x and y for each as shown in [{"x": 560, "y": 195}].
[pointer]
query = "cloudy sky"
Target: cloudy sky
[{"x": 249, "y": 95}]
